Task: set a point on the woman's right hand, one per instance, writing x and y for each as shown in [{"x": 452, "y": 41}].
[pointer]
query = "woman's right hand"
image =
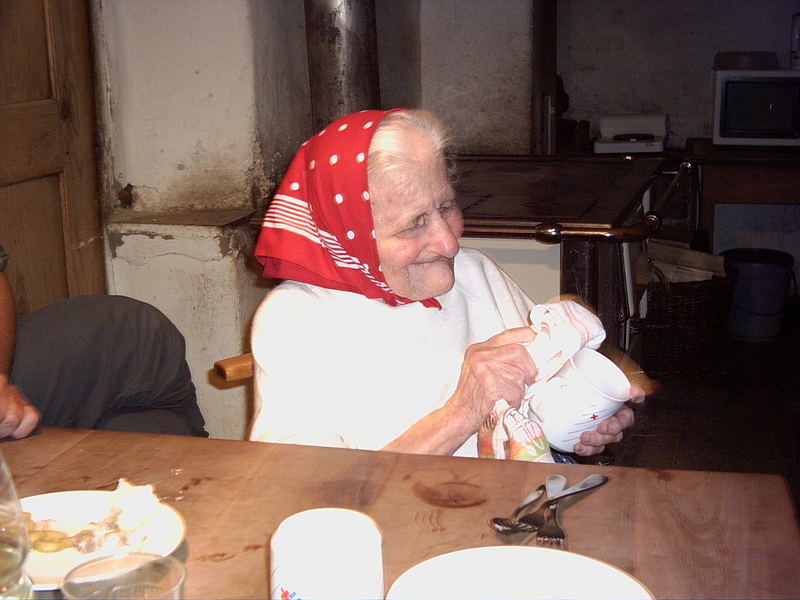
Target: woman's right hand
[{"x": 498, "y": 368}]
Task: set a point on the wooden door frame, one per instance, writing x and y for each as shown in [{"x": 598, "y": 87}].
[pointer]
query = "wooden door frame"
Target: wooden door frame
[
  {"x": 64, "y": 142},
  {"x": 73, "y": 88}
]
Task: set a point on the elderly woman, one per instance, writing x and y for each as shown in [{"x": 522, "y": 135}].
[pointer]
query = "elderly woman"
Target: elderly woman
[{"x": 385, "y": 333}]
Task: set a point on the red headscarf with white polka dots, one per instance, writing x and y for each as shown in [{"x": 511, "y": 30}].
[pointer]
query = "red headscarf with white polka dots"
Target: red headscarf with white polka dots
[{"x": 318, "y": 228}]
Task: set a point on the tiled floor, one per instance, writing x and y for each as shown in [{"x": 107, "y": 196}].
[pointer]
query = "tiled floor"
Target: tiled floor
[{"x": 744, "y": 415}]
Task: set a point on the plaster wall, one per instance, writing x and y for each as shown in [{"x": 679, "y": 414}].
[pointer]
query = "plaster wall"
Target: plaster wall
[
  {"x": 398, "y": 26},
  {"x": 180, "y": 113},
  {"x": 200, "y": 107},
  {"x": 282, "y": 97},
  {"x": 476, "y": 72},
  {"x": 632, "y": 57}
]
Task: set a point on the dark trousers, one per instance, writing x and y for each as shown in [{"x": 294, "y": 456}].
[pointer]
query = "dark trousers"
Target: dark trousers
[{"x": 106, "y": 362}]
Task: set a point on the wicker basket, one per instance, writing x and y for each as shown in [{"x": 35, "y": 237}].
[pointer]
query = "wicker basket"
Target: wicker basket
[{"x": 685, "y": 325}]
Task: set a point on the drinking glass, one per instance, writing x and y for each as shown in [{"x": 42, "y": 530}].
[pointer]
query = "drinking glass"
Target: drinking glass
[
  {"x": 130, "y": 575},
  {"x": 14, "y": 542}
]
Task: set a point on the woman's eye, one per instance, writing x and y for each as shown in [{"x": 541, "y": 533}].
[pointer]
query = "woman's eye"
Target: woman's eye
[
  {"x": 414, "y": 227},
  {"x": 420, "y": 222}
]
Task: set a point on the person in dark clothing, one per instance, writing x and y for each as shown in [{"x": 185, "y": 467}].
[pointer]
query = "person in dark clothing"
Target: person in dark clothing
[{"x": 93, "y": 362}]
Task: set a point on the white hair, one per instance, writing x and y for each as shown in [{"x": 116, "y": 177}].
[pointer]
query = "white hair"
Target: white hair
[{"x": 395, "y": 156}]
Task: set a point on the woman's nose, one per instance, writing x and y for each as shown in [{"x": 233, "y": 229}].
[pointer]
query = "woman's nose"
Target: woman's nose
[{"x": 443, "y": 239}]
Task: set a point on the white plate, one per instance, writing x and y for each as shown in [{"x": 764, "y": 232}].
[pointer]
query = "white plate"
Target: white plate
[
  {"x": 72, "y": 511},
  {"x": 514, "y": 572}
]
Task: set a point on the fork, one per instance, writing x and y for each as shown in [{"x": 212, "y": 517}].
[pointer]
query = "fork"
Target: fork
[
  {"x": 550, "y": 534},
  {"x": 533, "y": 521},
  {"x": 554, "y": 485}
]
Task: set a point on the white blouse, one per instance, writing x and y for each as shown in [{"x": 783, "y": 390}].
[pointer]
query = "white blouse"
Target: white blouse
[{"x": 334, "y": 368}]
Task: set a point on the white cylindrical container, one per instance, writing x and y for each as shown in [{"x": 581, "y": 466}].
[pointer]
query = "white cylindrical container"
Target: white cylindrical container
[
  {"x": 333, "y": 553},
  {"x": 588, "y": 389}
]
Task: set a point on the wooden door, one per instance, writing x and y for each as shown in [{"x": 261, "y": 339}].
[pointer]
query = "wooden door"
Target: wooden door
[{"x": 49, "y": 207}]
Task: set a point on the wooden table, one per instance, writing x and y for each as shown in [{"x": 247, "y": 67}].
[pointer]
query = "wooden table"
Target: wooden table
[
  {"x": 684, "y": 534},
  {"x": 742, "y": 175}
]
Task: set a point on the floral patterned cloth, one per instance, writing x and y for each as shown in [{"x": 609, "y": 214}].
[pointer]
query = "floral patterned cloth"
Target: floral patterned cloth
[{"x": 562, "y": 328}]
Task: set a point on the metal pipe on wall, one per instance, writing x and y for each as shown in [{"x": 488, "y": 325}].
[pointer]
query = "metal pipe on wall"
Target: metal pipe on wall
[
  {"x": 543, "y": 83},
  {"x": 342, "y": 58}
]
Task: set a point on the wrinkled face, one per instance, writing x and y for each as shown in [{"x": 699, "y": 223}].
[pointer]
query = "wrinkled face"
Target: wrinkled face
[{"x": 417, "y": 226}]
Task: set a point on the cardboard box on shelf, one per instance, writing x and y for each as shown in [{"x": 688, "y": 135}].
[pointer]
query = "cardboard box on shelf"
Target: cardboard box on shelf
[{"x": 680, "y": 264}]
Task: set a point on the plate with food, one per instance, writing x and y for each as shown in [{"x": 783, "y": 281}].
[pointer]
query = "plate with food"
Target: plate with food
[{"x": 68, "y": 528}]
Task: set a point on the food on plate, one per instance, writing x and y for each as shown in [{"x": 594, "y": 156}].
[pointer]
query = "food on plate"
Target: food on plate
[
  {"x": 49, "y": 540},
  {"x": 130, "y": 507},
  {"x": 133, "y": 505}
]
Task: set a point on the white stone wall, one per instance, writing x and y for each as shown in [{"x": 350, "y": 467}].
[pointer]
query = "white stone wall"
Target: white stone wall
[
  {"x": 476, "y": 72},
  {"x": 180, "y": 96},
  {"x": 398, "y": 26},
  {"x": 283, "y": 106},
  {"x": 182, "y": 123}
]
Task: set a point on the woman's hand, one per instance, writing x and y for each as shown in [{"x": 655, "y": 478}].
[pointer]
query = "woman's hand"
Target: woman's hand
[
  {"x": 498, "y": 368},
  {"x": 18, "y": 417},
  {"x": 610, "y": 430}
]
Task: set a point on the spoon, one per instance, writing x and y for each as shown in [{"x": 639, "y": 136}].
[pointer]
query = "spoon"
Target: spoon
[
  {"x": 507, "y": 524},
  {"x": 589, "y": 483},
  {"x": 530, "y": 499},
  {"x": 553, "y": 485}
]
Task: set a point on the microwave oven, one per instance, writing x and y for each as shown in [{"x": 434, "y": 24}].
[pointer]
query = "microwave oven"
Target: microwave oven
[{"x": 757, "y": 108}]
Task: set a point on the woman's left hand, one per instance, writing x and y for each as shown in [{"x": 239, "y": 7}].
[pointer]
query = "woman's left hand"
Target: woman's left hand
[{"x": 610, "y": 430}]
